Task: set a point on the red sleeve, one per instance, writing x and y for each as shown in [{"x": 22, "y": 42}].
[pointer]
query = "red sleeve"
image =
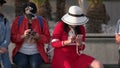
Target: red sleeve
[
  {"x": 57, "y": 32},
  {"x": 15, "y": 35},
  {"x": 45, "y": 36}
]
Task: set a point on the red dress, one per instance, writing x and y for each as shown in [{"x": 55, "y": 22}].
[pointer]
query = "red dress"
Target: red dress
[{"x": 66, "y": 56}]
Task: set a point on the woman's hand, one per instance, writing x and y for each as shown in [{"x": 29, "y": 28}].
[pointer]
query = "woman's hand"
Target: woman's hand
[
  {"x": 69, "y": 41},
  {"x": 3, "y": 50},
  {"x": 37, "y": 36},
  {"x": 26, "y": 33},
  {"x": 79, "y": 40}
]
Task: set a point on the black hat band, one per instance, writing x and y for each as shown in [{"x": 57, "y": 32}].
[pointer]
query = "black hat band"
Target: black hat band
[{"x": 76, "y": 15}]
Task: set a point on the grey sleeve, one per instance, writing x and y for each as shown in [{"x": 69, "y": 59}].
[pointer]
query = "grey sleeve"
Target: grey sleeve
[
  {"x": 117, "y": 30},
  {"x": 7, "y": 35}
]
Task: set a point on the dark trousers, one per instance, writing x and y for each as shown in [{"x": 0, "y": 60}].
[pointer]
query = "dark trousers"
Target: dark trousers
[{"x": 23, "y": 60}]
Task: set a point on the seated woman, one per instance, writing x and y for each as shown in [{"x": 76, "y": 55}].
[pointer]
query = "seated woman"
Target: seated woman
[{"x": 68, "y": 39}]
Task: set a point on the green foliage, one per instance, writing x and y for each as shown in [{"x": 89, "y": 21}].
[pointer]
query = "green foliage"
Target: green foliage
[
  {"x": 38, "y": 2},
  {"x": 95, "y": 0}
]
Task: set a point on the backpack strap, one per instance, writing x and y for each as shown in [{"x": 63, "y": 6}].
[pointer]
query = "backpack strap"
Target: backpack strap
[
  {"x": 40, "y": 21},
  {"x": 20, "y": 20},
  {"x": 39, "y": 18},
  {"x": 5, "y": 21}
]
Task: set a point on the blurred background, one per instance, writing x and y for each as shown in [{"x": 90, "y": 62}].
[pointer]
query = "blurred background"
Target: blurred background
[{"x": 103, "y": 15}]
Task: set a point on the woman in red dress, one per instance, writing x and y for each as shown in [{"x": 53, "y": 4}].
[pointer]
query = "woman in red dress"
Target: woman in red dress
[{"x": 68, "y": 39}]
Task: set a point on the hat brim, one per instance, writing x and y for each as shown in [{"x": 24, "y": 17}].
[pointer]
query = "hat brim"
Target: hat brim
[{"x": 72, "y": 20}]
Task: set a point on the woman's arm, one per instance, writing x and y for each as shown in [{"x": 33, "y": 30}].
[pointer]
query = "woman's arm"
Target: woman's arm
[
  {"x": 45, "y": 34},
  {"x": 7, "y": 35},
  {"x": 15, "y": 35}
]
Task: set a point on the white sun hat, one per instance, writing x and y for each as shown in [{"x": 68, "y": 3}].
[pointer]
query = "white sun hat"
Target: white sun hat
[{"x": 75, "y": 16}]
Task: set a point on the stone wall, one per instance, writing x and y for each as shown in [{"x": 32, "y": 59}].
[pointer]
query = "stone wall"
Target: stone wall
[{"x": 102, "y": 47}]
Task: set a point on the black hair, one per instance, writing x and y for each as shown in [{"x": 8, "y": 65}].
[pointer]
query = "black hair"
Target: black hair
[
  {"x": 2, "y": 2},
  {"x": 31, "y": 4},
  {"x": 76, "y": 29}
]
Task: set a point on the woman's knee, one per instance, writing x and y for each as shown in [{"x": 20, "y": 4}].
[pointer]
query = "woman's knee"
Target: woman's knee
[
  {"x": 35, "y": 65},
  {"x": 96, "y": 64}
]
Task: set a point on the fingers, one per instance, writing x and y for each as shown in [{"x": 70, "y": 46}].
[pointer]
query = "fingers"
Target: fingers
[
  {"x": 27, "y": 32},
  {"x": 37, "y": 36},
  {"x": 3, "y": 50},
  {"x": 79, "y": 39},
  {"x": 79, "y": 36}
]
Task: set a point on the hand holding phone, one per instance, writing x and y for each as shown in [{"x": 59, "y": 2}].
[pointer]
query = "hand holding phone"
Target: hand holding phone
[{"x": 79, "y": 39}]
